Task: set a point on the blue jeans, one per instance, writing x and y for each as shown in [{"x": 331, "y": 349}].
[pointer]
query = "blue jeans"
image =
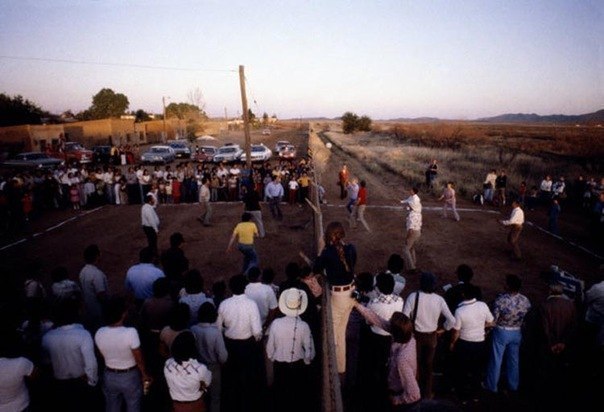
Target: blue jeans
[
  {"x": 123, "y": 387},
  {"x": 250, "y": 257},
  {"x": 350, "y": 204},
  {"x": 505, "y": 342}
]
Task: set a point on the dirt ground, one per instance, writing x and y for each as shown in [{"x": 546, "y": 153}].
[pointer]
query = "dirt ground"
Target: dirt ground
[
  {"x": 477, "y": 239},
  {"x": 59, "y": 238}
]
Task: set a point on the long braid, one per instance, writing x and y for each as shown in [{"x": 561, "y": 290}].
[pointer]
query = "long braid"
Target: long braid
[{"x": 333, "y": 236}]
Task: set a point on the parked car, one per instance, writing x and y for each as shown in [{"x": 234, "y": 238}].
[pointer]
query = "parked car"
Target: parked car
[
  {"x": 258, "y": 153},
  {"x": 73, "y": 152},
  {"x": 281, "y": 144},
  {"x": 228, "y": 153},
  {"x": 159, "y": 154},
  {"x": 181, "y": 149},
  {"x": 266, "y": 132},
  {"x": 33, "y": 160},
  {"x": 288, "y": 152},
  {"x": 205, "y": 154},
  {"x": 101, "y": 154}
]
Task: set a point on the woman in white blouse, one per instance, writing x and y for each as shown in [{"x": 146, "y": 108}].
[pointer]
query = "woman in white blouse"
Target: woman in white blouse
[{"x": 187, "y": 379}]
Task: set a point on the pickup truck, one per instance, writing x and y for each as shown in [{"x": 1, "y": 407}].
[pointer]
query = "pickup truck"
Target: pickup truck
[{"x": 73, "y": 152}]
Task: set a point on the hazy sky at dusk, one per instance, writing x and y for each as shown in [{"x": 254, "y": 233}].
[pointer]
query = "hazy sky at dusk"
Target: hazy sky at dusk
[{"x": 386, "y": 59}]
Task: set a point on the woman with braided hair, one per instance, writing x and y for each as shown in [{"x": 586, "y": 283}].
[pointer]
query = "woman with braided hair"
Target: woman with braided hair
[{"x": 337, "y": 261}]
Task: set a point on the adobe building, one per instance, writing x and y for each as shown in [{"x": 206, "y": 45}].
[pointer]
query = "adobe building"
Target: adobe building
[{"x": 26, "y": 138}]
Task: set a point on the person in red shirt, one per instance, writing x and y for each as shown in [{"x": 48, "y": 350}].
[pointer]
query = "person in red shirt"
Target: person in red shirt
[
  {"x": 343, "y": 177},
  {"x": 360, "y": 207}
]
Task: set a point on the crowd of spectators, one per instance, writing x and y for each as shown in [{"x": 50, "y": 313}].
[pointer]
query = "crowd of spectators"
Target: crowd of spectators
[
  {"x": 172, "y": 343},
  {"x": 27, "y": 194}
]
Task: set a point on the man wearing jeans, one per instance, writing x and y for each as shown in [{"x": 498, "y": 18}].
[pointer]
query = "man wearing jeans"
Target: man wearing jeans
[
  {"x": 274, "y": 194},
  {"x": 509, "y": 310},
  {"x": 244, "y": 233}
]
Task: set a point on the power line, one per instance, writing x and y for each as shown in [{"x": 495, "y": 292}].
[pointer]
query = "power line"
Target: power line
[{"x": 137, "y": 66}]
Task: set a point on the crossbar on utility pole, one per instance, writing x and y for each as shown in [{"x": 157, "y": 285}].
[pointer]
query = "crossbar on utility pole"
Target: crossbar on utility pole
[{"x": 246, "y": 121}]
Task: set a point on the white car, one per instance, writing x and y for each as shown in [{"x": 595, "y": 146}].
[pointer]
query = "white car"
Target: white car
[
  {"x": 228, "y": 153},
  {"x": 258, "y": 153},
  {"x": 159, "y": 154},
  {"x": 266, "y": 132},
  {"x": 280, "y": 145}
]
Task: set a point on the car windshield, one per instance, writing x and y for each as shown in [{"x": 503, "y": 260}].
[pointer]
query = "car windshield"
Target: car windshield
[
  {"x": 257, "y": 149},
  {"x": 74, "y": 146},
  {"x": 159, "y": 150},
  {"x": 178, "y": 145},
  {"x": 227, "y": 150}
]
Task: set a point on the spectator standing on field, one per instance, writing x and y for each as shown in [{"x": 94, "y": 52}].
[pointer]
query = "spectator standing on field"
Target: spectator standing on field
[
  {"x": 489, "y": 185},
  {"x": 343, "y": 177},
  {"x": 212, "y": 350},
  {"x": 187, "y": 379},
  {"x": 552, "y": 216},
  {"x": 425, "y": 308},
  {"x": 274, "y": 194},
  {"x": 94, "y": 288},
  {"x": 204, "y": 200},
  {"x": 140, "y": 277},
  {"x": 290, "y": 346},
  {"x": 509, "y": 310},
  {"x": 450, "y": 201},
  {"x": 125, "y": 372},
  {"x": 501, "y": 183},
  {"x": 239, "y": 319},
  {"x": 413, "y": 226},
  {"x": 468, "y": 344},
  {"x": 150, "y": 221},
  {"x": 431, "y": 173},
  {"x": 516, "y": 222},
  {"x": 70, "y": 349}
]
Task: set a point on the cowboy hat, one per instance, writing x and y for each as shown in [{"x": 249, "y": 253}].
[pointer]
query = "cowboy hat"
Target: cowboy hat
[{"x": 293, "y": 302}]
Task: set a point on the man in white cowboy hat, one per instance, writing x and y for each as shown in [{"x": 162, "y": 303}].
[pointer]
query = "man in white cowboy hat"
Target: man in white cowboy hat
[{"x": 290, "y": 347}]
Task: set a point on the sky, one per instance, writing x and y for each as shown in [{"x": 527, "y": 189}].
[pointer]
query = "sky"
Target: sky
[{"x": 385, "y": 59}]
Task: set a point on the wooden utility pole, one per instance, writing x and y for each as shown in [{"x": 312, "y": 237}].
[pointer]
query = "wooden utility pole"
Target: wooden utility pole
[
  {"x": 246, "y": 121},
  {"x": 165, "y": 136}
]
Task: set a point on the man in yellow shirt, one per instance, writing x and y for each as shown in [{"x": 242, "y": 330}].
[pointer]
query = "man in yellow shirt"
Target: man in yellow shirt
[
  {"x": 304, "y": 182},
  {"x": 244, "y": 233}
]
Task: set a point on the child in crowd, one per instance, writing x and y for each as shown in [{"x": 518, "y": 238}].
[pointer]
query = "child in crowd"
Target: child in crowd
[{"x": 74, "y": 197}]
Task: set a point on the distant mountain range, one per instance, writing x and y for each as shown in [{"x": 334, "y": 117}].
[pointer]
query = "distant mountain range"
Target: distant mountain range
[
  {"x": 584, "y": 119},
  {"x": 589, "y": 118}
]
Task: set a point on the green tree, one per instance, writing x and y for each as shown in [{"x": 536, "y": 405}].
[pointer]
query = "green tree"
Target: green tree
[
  {"x": 192, "y": 116},
  {"x": 106, "y": 103},
  {"x": 349, "y": 122},
  {"x": 265, "y": 118},
  {"x": 364, "y": 124},
  {"x": 16, "y": 110},
  {"x": 141, "y": 116}
]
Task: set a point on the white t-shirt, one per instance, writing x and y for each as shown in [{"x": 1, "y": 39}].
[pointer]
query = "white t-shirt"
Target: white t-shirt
[
  {"x": 13, "y": 391},
  {"x": 116, "y": 345},
  {"x": 293, "y": 185},
  {"x": 184, "y": 380},
  {"x": 470, "y": 319}
]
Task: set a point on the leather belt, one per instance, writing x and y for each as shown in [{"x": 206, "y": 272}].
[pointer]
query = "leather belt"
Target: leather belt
[
  {"x": 120, "y": 370},
  {"x": 341, "y": 288}
]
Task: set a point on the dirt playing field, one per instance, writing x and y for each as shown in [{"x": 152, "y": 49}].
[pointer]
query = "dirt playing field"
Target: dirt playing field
[{"x": 478, "y": 239}]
